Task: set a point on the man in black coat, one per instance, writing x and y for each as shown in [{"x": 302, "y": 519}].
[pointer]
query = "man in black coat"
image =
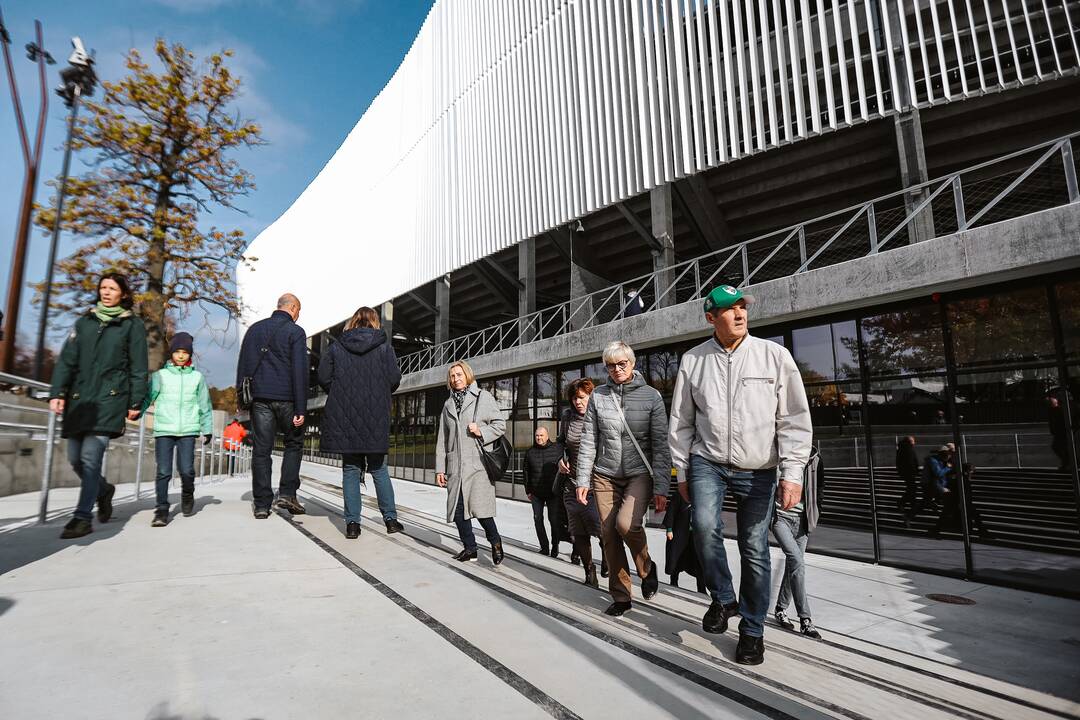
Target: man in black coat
[
  {"x": 541, "y": 467},
  {"x": 274, "y": 355},
  {"x": 907, "y": 467}
]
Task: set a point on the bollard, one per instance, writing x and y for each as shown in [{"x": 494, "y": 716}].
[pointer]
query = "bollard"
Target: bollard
[
  {"x": 139, "y": 458},
  {"x": 46, "y": 474}
]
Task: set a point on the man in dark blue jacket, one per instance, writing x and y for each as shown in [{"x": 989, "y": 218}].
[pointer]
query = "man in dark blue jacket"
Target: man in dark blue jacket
[{"x": 274, "y": 355}]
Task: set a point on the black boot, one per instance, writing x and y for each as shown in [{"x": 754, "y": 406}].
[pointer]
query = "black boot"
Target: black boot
[
  {"x": 161, "y": 518},
  {"x": 76, "y": 528},
  {"x": 466, "y": 556},
  {"x": 352, "y": 530},
  {"x": 554, "y": 549},
  {"x": 750, "y": 650},
  {"x": 575, "y": 559},
  {"x": 104, "y": 500},
  {"x": 616, "y": 609},
  {"x": 717, "y": 616},
  {"x": 187, "y": 505},
  {"x": 603, "y": 567},
  {"x": 393, "y": 526},
  {"x": 650, "y": 583},
  {"x": 590, "y": 576},
  {"x": 497, "y": 554}
]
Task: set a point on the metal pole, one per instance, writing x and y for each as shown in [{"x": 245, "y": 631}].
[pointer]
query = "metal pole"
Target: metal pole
[
  {"x": 1016, "y": 441},
  {"x": 46, "y": 474},
  {"x": 139, "y": 456},
  {"x": 202, "y": 460},
  {"x": 43, "y": 320}
]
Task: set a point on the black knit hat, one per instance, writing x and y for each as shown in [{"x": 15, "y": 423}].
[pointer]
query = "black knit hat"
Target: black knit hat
[{"x": 181, "y": 341}]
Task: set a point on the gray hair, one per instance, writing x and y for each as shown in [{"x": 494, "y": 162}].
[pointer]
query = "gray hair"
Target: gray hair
[{"x": 618, "y": 350}]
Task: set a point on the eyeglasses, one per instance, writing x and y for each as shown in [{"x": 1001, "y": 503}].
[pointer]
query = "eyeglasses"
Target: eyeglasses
[{"x": 620, "y": 366}]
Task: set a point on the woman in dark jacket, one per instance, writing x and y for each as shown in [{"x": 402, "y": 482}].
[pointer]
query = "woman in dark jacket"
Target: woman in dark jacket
[
  {"x": 583, "y": 521},
  {"x": 98, "y": 384},
  {"x": 360, "y": 373},
  {"x": 681, "y": 556}
]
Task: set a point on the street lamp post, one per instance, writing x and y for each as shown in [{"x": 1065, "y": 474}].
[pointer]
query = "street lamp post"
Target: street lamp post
[
  {"x": 36, "y": 52},
  {"x": 76, "y": 80}
]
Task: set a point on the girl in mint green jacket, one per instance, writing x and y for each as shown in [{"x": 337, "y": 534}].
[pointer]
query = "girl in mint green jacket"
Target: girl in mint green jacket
[{"x": 182, "y": 412}]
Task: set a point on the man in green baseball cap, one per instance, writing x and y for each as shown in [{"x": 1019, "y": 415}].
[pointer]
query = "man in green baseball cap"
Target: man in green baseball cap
[{"x": 724, "y": 296}]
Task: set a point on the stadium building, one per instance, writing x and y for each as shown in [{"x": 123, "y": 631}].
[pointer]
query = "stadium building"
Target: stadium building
[{"x": 894, "y": 180}]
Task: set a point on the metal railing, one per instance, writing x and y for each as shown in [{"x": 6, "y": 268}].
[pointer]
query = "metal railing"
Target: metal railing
[
  {"x": 1020, "y": 183},
  {"x": 215, "y": 459}
]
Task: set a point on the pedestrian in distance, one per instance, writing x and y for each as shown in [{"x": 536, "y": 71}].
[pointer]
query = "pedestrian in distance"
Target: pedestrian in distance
[
  {"x": 739, "y": 421},
  {"x": 234, "y": 436},
  {"x": 582, "y": 521},
  {"x": 935, "y": 477},
  {"x": 792, "y": 527},
  {"x": 360, "y": 374},
  {"x": 273, "y": 356},
  {"x": 98, "y": 384},
  {"x": 541, "y": 469},
  {"x": 182, "y": 413},
  {"x": 470, "y": 416},
  {"x": 624, "y": 459},
  {"x": 907, "y": 468}
]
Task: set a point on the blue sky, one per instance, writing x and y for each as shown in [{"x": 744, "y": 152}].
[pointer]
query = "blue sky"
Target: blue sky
[{"x": 310, "y": 69}]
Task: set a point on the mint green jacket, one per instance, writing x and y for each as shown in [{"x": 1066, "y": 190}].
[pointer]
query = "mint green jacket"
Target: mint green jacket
[{"x": 181, "y": 402}]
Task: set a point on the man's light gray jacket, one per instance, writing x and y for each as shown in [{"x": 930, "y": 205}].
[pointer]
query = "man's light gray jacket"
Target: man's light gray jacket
[{"x": 746, "y": 409}]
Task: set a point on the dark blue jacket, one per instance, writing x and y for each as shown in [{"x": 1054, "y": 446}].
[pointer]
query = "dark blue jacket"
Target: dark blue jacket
[
  {"x": 360, "y": 373},
  {"x": 283, "y": 373}
]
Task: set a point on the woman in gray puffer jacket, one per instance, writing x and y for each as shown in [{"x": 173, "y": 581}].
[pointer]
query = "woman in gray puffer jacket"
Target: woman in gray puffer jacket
[{"x": 624, "y": 458}]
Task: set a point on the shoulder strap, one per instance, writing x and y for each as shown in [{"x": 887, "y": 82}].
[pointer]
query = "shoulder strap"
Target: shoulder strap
[
  {"x": 265, "y": 349},
  {"x": 626, "y": 428}
]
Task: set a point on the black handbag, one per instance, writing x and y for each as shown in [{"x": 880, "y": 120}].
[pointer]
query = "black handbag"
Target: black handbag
[{"x": 496, "y": 454}]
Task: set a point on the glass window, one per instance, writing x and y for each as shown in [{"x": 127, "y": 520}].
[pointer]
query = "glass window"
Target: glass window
[
  {"x": 596, "y": 372},
  {"x": 778, "y": 339},
  {"x": 913, "y": 401},
  {"x": 1068, "y": 302},
  {"x": 504, "y": 392},
  {"x": 1008, "y": 327},
  {"x": 904, "y": 342},
  {"x": 827, "y": 352},
  {"x": 663, "y": 369},
  {"x": 565, "y": 378},
  {"x": 836, "y": 405},
  {"x": 1007, "y": 397},
  {"x": 523, "y": 397}
]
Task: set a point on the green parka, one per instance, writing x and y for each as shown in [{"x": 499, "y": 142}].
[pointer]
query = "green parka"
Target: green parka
[
  {"x": 181, "y": 402},
  {"x": 101, "y": 374}
]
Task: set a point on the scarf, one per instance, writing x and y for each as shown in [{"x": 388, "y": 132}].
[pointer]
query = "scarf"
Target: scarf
[
  {"x": 459, "y": 398},
  {"x": 105, "y": 314}
]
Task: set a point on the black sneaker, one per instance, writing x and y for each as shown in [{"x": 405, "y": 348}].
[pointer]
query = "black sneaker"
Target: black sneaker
[
  {"x": 262, "y": 514},
  {"x": 717, "y": 616},
  {"x": 291, "y": 504},
  {"x": 393, "y": 526},
  {"x": 750, "y": 650},
  {"x": 590, "y": 576},
  {"x": 104, "y": 501},
  {"x": 555, "y": 550},
  {"x": 497, "y": 554},
  {"x": 650, "y": 583},
  {"x": 187, "y": 505},
  {"x": 616, "y": 609},
  {"x": 575, "y": 559},
  {"x": 352, "y": 530},
  {"x": 76, "y": 528},
  {"x": 783, "y": 621},
  {"x": 161, "y": 518},
  {"x": 807, "y": 628},
  {"x": 544, "y": 550},
  {"x": 466, "y": 556}
]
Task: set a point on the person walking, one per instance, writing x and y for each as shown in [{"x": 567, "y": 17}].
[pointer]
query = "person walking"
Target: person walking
[
  {"x": 182, "y": 412},
  {"x": 907, "y": 468},
  {"x": 470, "y": 416},
  {"x": 680, "y": 555},
  {"x": 274, "y": 356},
  {"x": 624, "y": 458},
  {"x": 792, "y": 527},
  {"x": 541, "y": 469},
  {"x": 582, "y": 521},
  {"x": 99, "y": 383},
  {"x": 233, "y": 437},
  {"x": 360, "y": 374},
  {"x": 739, "y": 419}
]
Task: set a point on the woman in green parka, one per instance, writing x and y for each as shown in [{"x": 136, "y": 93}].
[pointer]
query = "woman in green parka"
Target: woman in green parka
[
  {"x": 99, "y": 383},
  {"x": 182, "y": 412}
]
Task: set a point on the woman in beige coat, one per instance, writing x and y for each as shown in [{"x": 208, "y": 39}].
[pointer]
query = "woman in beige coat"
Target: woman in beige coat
[{"x": 468, "y": 414}]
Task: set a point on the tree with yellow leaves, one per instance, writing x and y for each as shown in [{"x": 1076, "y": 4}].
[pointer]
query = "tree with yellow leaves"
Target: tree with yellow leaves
[{"x": 161, "y": 143}]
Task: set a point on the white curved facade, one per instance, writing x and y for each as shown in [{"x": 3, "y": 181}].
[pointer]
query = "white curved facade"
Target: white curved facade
[{"x": 509, "y": 117}]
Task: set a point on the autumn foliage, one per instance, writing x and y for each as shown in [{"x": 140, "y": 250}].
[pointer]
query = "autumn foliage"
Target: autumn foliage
[{"x": 160, "y": 147}]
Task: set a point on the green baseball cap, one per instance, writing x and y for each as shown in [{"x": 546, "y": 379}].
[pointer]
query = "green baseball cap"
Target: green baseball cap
[{"x": 725, "y": 296}]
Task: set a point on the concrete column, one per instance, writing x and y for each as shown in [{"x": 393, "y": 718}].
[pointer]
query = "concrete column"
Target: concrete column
[
  {"x": 911, "y": 154},
  {"x": 386, "y": 317},
  {"x": 527, "y": 288},
  {"x": 663, "y": 229},
  {"x": 442, "y": 309}
]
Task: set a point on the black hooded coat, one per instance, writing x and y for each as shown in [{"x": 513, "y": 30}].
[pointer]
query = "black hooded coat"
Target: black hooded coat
[{"x": 360, "y": 373}]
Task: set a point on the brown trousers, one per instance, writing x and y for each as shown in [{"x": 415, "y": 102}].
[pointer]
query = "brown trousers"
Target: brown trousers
[{"x": 622, "y": 503}]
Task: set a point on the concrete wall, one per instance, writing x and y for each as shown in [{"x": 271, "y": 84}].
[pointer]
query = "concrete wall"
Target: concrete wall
[{"x": 1022, "y": 247}]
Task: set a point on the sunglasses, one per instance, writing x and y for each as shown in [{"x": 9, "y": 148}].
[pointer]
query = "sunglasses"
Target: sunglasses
[{"x": 621, "y": 365}]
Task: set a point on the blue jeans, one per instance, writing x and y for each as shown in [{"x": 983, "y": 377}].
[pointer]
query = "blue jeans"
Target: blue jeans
[
  {"x": 756, "y": 490},
  {"x": 792, "y": 536},
  {"x": 164, "y": 448},
  {"x": 352, "y": 472},
  {"x": 465, "y": 531},
  {"x": 86, "y": 453}
]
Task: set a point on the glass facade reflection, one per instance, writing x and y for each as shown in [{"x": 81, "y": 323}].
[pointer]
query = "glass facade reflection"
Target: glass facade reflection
[{"x": 994, "y": 371}]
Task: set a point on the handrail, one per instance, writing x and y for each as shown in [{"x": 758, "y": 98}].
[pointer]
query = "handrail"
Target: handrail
[
  {"x": 917, "y": 202},
  {"x": 9, "y": 379}
]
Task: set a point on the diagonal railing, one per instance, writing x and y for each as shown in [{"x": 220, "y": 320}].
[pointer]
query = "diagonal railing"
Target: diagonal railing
[{"x": 1036, "y": 178}]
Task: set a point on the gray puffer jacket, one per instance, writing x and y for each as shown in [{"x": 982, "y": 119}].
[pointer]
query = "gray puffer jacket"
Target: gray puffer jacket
[{"x": 605, "y": 447}]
